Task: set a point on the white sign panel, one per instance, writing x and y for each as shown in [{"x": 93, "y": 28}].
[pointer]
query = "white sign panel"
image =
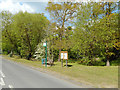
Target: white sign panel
[
  {"x": 62, "y": 54},
  {"x": 65, "y": 55},
  {"x": 44, "y": 44}
]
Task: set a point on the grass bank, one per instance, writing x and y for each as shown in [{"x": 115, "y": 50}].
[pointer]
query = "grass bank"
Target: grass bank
[{"x": 97, "y": 76}]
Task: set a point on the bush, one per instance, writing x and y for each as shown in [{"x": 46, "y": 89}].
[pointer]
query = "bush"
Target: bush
[
  {"x": 5, "y": 52},
  {"x": 84, "y": 61},
  {"x": 99, "y": 61},
  {"x": 115, "y": 62}
]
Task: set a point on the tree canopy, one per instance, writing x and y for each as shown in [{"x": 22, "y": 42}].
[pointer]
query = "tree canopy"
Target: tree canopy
[
  {"x": 25, "y": 32},
  {"x": 89, "y": 31}
]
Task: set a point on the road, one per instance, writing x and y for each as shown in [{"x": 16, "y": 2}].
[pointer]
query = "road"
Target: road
[{"x": 14, "y": 75}]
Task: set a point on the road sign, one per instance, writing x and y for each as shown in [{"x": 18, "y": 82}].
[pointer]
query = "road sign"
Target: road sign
[
  {"x": 61, "y": 55},
  {"x": 44, "y": 44}
]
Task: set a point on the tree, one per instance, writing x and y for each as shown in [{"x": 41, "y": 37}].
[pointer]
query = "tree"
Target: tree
[
  {"x": 107, "y": 38},
  {"x": 28, "y": 31},
  {"x": 0, "y": 33},
  {"x": 95, "y": 30},
  {"x": 61, "y": 13},
  {"x": 40, "y": 51},
  {"x": 7, "y": 35},
  {"x": 109, "y": 7}
]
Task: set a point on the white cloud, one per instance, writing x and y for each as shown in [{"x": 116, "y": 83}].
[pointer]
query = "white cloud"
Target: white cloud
[{"x": 15, "y": 7}]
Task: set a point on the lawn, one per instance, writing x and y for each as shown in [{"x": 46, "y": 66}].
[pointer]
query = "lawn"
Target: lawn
[{"x": 97, "y": 76}]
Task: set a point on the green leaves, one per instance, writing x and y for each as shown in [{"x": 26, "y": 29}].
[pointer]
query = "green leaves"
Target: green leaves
[
  {"x": 92, "y": 32},
  {"x": 26, "y": 31},
  {"x": 62, "y": 13}
]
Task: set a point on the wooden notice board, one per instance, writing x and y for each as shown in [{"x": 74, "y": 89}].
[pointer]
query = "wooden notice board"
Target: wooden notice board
[{"x": 64, "y": 55}]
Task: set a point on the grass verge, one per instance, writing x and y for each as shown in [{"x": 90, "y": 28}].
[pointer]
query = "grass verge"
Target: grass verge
[{"x": 97, "y": 76}]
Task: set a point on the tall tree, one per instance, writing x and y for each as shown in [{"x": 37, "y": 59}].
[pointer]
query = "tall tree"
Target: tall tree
[
  {"x": 61, "y": 13},
  {"x": 30, "y": 29},
  {"x": 7, "y": 35},
  {"x": 26, "y": 30},
  {"x": 93, "y": 27}
]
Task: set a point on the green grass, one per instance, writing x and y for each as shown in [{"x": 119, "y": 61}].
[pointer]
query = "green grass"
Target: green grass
[{"x": 97, "y": 76}]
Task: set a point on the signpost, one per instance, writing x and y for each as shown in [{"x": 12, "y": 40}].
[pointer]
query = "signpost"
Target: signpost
[
  {"x": 64, "y": 56},
  {"x": 45, "y": 45}
]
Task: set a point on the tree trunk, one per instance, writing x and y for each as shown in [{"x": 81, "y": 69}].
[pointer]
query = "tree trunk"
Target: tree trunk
[
  {"x": 11, "y": 53},
  {"x": 29, "y": 56},
  {"x": 108, "y": 62},
  {"x": 59, "y": 55}
]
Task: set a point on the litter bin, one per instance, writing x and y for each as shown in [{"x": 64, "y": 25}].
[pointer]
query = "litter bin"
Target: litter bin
[{"x": 43, "y": 60}]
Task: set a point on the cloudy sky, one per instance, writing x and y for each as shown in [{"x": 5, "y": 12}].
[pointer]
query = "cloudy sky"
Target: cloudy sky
[{"x": 31, "y": 6}]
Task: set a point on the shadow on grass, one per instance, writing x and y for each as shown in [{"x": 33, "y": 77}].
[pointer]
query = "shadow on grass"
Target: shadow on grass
[
  {"x": 51, "y": 64},
  {"x": 68, "y": 65}
]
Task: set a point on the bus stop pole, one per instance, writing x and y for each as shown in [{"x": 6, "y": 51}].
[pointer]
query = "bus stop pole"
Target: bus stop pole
[{"x": 46, "y": 55}]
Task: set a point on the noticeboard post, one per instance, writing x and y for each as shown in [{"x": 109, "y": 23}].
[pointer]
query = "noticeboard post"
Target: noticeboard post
[{"x": 64, "y": 56}]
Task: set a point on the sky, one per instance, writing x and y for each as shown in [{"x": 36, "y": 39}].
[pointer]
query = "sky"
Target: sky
[{"x": 31, "y": 6}]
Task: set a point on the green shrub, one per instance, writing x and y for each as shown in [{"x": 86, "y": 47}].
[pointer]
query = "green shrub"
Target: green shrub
[
  {"x": 5, "y": 52},
  {"x": 115, "y": 62},
  {"x": 99, "y": 61},
  {"x": 84, "y": 61}
]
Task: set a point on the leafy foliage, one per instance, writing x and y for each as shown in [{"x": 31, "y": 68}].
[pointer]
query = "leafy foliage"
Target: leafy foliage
[
  {"x": 26, "y": 32},
  {"x": 95, "y": 36},
  {"x": 89, "y": 31},
  {"x": 61, "y": 13}
]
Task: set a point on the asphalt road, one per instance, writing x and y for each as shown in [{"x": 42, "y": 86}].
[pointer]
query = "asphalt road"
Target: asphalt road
[{"x": 14, "y": 75}]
